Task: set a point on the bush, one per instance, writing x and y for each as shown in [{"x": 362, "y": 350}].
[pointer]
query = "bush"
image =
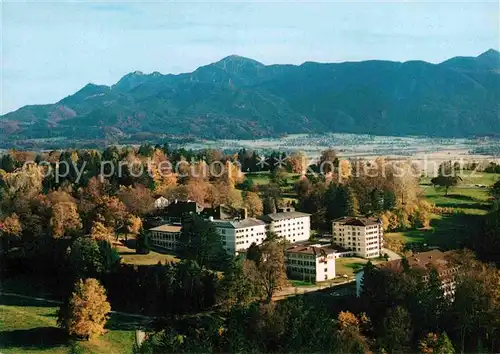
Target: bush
[{"x": 142, "y": 244}]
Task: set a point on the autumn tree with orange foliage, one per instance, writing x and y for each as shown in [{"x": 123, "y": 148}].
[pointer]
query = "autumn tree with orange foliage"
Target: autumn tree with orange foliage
[
  {"x": 9, "y": 227},
  {"x": 138, "y": 199},
  {"x": 86, "y": 312}
]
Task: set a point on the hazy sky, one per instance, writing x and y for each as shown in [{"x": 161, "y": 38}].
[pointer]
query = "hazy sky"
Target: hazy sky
[{"x": 51, "y": 49}]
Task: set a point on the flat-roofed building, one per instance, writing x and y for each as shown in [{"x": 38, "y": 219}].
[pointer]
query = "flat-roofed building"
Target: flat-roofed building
[
  {"x": 364, "y": 236},
  {"x": 311, "y": 263},
  {"x": 166, "y": 236},
  {"x": 291, "y": 225}
]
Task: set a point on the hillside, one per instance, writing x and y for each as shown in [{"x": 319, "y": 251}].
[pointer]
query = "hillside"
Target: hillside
[{"x": 238, "y": 97}]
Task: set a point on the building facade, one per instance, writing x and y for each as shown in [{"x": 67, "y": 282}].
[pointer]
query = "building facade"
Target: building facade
[
  {"x": 291, "y": 225},
  {"x": 363, "y": 236},
  {"x": 237, "y": 235},
  {"x": 166, "y": 236},
  {"x": 310, "y": 263}
]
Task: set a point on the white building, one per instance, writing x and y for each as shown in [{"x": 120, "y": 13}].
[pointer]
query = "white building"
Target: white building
[
  {"x": 291, "y": 225},
  {"x": 166, "y": 236},
  {"x": 161, "y": 203},
  {"x": 310, "y": 263},
  {"x": 238, "y": 234},
  {"x": 364, "y": 236}
]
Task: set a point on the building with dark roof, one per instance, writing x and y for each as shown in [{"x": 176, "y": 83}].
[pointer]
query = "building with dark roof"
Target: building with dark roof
[
  {"x": 424, "y": 262},
  {"x": 174, "y": 211},
  {"x": 363, "y": 236}
]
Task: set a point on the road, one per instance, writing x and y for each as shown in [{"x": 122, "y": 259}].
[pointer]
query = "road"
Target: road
[
  {"x": 293, "y": 290},
  {"x": 392, "y": 255}
]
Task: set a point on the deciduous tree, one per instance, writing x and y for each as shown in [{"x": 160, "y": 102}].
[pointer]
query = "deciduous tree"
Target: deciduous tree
[
  {"x": 253, "y": 203},
  {"x": 269, "y": 273},
  {"x": 86, "y": 312},
  {"x": 65, "y": 219}
]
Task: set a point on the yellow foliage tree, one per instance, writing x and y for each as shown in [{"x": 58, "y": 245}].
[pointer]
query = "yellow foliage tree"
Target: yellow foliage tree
[
  {"x": 11, "y": 225},
  {"x": 100, "y": 232},
  {"x": 347, "y": 320},
  {"x": 254, "y": 205},
  {"x": 134, "y": 224},
  {"x": 64, "y": 219},
  {"x": 299, "y": 162},
  {"x": 86, "y": 313}
]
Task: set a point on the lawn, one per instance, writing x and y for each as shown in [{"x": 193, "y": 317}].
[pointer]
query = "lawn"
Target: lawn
[
  {"x": 471, "y": 178},
  {"x": 129, "y": 256},
  {"x": 264, "y": 178},
  {"x": 301, "y": 283},
  {"x": 450, "y": 231},
  {"x": 29, "y": 326},
  {"x": 349, "y": 265}
]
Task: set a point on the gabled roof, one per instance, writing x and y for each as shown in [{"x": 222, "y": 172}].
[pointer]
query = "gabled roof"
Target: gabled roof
[{"x": 283, "y": 216}]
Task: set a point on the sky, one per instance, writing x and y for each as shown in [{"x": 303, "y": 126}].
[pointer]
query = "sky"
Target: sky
[{"x": 51, "y": 49}]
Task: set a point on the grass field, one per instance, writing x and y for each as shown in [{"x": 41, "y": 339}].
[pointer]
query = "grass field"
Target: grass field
[
  {"x": 263, "y": 178},
  {"x": 471, "y": 178},
  {"x": 349, "y": 265},
  {"x": 468, "y": 200},
  {"x": 129, "y": 256},
  {"x": 29, "y": 326},
  {"x": 301, "y": 283}
]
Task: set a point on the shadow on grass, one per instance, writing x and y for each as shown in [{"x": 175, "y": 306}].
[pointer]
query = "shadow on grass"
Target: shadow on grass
[
  {"x": 462, "y": 201},
  {"x": 127, "y": 253},
  {"x": 126, "y": 323},
  {"x": 449, "y": 232},
  {"x": 354, "y": 266},
  {"x": 9, "y": 300},
  {"x": 35, "y": 338}
]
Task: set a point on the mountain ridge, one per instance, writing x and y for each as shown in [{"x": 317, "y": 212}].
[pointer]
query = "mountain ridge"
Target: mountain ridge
[{"x": 238, "y": 97}]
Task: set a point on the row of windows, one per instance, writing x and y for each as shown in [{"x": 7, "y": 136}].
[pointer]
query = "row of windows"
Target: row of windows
[
  {"x": 302, "y": 270},
  {"x": 303, "y": 256},
  {"x": 165, "y": 244},
  {"x": 306, "y": 263},
  {"x": 252, "y": 235}
]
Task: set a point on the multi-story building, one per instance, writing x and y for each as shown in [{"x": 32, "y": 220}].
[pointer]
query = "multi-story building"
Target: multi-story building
[
  {"x": 423, "y": 262},
  {"x": 311, "y": 263},
  {"x": 166, "y": 236},
  {"x": 364, "y": 236},
  {"x": 288, "y": 224},
  {"x": 238, "y": 234}
]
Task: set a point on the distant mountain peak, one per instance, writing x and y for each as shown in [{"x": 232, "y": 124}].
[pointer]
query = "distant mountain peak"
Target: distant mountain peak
[
  {"x": 490, "y": 53},
  {"x": 239, "y": 60}
]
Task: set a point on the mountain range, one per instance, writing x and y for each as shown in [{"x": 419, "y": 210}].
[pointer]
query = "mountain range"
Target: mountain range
[{"x": 238, "y": 97}]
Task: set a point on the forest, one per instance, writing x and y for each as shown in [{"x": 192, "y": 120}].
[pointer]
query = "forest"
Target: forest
[{"x": 60, "y": 227}]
